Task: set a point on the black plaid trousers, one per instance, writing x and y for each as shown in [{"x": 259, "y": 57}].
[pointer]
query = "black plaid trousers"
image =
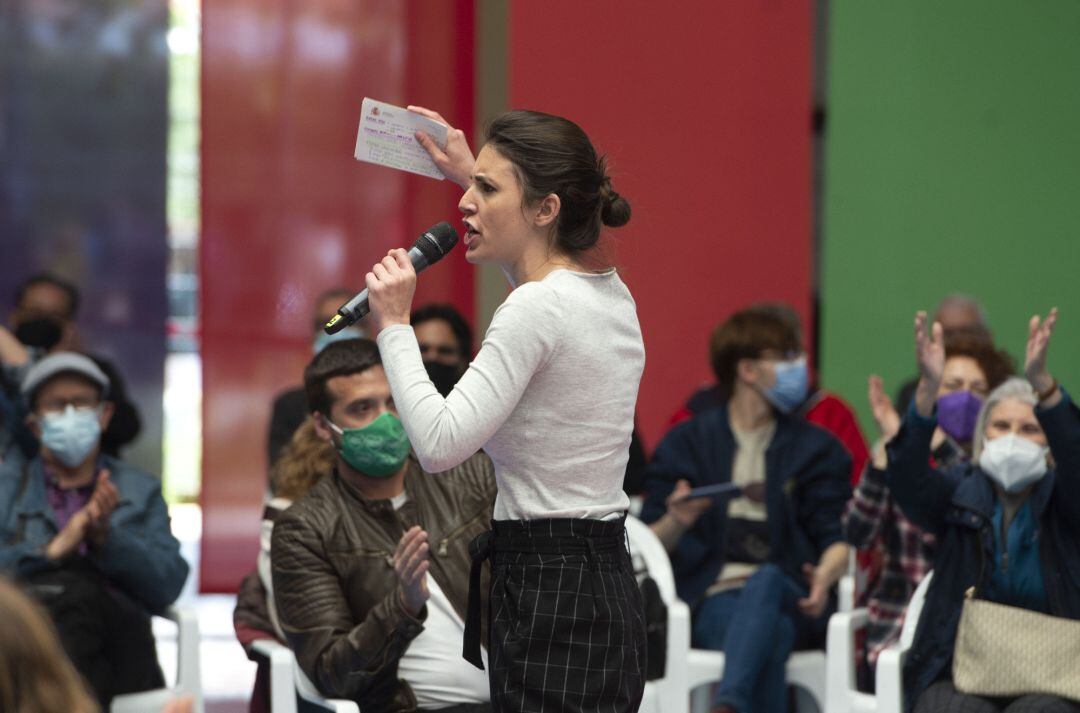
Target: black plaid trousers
[{"x": 567, "y": 627}]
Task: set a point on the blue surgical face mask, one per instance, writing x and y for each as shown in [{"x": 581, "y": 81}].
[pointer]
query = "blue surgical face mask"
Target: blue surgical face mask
[
  {"x": 71, "y": 434},
  {"x": 792, "y": 385},
  {"x": 322, "y": 339}
]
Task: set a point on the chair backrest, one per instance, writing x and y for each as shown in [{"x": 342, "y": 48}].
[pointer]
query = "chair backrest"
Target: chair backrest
[
  {"x": 645, "y": 544},
  {"x": 914, "y": 611}
]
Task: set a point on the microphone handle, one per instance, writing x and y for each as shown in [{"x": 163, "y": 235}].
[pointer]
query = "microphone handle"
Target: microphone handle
[{"x": 357, "y": 308}]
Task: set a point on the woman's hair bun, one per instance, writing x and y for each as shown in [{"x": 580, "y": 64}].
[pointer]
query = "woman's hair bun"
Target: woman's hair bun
[{"x": 615, "y": 211}]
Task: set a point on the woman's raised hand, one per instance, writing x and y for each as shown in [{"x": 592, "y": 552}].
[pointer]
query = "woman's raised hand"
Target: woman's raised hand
[
  {"x": 1039, "y": 331},
  {"x": 930, "y": 355},
  {"x": 456, "y": 160},
  {"x": 929, "y": 350},
  {"x": 888, "y": 421}
]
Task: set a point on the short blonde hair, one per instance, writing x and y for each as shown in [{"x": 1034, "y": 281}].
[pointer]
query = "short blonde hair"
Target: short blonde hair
[{"x": 1012, "y": 388}]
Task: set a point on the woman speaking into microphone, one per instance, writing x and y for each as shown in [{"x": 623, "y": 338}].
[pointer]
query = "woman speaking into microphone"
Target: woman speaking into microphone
[{"x": 550, "y": 397}]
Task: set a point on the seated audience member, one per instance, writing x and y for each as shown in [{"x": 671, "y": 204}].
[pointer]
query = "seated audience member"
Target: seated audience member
[
  {"x": 1007, "y": 523},
  {"x": 290, "y": 407},
  {"x": 86, "y": 533},
  {"x": 371, "y": 567},
  {"x": 901, "y": 552},
  {"x": 305, "y": 460},
  {"x": 35, "y": 674},
  {"x": 44, "y": 319},
  {"x": 797, "y": 395},
  {"x": 758, "y": 570},
  {"x": 446, "y": 344},
  {"x": 959, "y": 315}
]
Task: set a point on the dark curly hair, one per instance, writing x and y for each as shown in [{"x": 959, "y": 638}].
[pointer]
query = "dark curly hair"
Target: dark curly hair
[{"x": 996, "y": 364}]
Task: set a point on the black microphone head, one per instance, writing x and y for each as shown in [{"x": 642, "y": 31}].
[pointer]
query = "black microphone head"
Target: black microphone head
[
  {"x": 437, "y": 242},
  {"x": 337, "y": 323}
]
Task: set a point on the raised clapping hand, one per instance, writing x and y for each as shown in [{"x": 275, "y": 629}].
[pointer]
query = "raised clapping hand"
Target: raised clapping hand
[
  {"x": 456, "y": 160},
  {"x": 102, "y": 503},
  {"x": 90, "y": 523},
  {"x": 888, "y": 421},
  {"x": 411, "y": 565},
  {"x": 930, "y": 355},
  {"x": 881, "y": 406},
  {"x": 1039, "y": 332},
  {"x": 391, "y": 285}
]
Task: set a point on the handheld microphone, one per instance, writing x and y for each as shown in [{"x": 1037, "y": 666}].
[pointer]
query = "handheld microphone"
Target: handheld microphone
[{"x": 428, "y": 249}]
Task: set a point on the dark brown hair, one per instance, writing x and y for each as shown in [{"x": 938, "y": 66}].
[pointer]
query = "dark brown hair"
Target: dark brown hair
[
  {"x": 552, "y": 155},
  {"x": 747, "y": 334},
  {"x": 996, "y": 364},
  {"x": 454, "y": 319},
  {"x": 348, "y": 356}
]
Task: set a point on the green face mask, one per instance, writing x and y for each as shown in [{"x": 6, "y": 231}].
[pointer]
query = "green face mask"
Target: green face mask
[{"x": 378, "y": 450}]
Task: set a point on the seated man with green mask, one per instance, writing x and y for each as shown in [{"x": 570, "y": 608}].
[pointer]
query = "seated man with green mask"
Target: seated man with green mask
[{"x": 371, "y": 567}]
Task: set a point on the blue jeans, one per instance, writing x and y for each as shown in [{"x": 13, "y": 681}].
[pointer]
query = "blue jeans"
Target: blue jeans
[{"x": 757, "y": 627}]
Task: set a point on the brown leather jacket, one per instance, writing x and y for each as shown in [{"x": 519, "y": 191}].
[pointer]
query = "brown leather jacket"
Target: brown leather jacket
[{"x": 334, "y": 583}]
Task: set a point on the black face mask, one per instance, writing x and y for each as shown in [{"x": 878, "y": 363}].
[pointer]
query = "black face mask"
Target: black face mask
[
  {"x": 42, "y": 332},
  {"x": 444, "y": 376}
]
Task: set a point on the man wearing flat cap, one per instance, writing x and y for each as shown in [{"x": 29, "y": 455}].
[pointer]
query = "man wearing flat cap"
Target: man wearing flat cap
[{"x": 87, "y": 534}]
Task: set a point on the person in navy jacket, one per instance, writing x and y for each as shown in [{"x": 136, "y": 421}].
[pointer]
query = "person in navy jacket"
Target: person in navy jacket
[{"x": 757, "y": 569}]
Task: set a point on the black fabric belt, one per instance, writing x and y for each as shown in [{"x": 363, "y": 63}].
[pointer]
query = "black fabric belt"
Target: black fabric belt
[{"x": 486, "y": 545}]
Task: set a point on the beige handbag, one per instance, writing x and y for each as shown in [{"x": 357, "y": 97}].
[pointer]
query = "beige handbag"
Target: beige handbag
[{"x": 1008, "y": 651}]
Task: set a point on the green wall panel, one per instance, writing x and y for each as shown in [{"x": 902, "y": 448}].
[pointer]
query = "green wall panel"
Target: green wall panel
[{"x": 952, "y": 163}]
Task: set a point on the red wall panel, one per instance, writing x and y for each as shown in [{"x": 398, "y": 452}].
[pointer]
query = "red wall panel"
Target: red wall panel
[
  {"x": 287, "y": 211},
  {"x": 704, "y": 111}
]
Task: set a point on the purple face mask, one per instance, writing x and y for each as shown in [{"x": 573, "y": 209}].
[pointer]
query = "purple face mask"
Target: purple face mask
[{"x": 957, "y": 413}]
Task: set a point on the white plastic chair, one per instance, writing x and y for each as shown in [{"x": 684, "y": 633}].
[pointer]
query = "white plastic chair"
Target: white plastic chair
[
  {"x": 287, "y": 681},
  {"x": 689, "y": 669},
  {"x": 842, "y": 694},
  {"x": 672, "y": 692},
  {"x": 188, "y": 675}
]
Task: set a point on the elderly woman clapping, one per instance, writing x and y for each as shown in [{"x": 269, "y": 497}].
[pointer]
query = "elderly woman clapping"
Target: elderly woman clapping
[{"x": 1007, "y": 523}]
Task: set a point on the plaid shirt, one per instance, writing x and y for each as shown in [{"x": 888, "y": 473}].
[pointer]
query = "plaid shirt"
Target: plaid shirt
[{"x": 902, "y": 553}]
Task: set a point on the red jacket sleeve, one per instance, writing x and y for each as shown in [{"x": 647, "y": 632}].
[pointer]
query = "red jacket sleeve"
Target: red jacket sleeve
[{"x": 834, "y": 415}]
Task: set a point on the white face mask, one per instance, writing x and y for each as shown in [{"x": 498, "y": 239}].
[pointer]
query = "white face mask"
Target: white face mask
[
  {"x": 71, "y": 434},
  {"x": 1013, "y": 462}
]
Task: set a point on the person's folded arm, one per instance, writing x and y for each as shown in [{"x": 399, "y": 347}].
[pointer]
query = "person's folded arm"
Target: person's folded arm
[
  {"x": 524, "y": 333},
  {"x": 143, "y": 557},
  {"x": 674, "y": 460},
  {"x": 922, "y": 491},
  {"x": 18, "y": 558},
  {"x": 342, "y": 657},
  {"x": 824, "y": 491}
]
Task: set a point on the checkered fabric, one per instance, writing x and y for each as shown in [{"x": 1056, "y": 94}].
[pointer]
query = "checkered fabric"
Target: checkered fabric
[
  {"x": 567, "y": 630},
  {"x": 874, "y": 522}
]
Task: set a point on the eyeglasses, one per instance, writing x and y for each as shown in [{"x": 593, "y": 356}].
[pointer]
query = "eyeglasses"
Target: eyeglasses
[{"x": 79, "y": 403}]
